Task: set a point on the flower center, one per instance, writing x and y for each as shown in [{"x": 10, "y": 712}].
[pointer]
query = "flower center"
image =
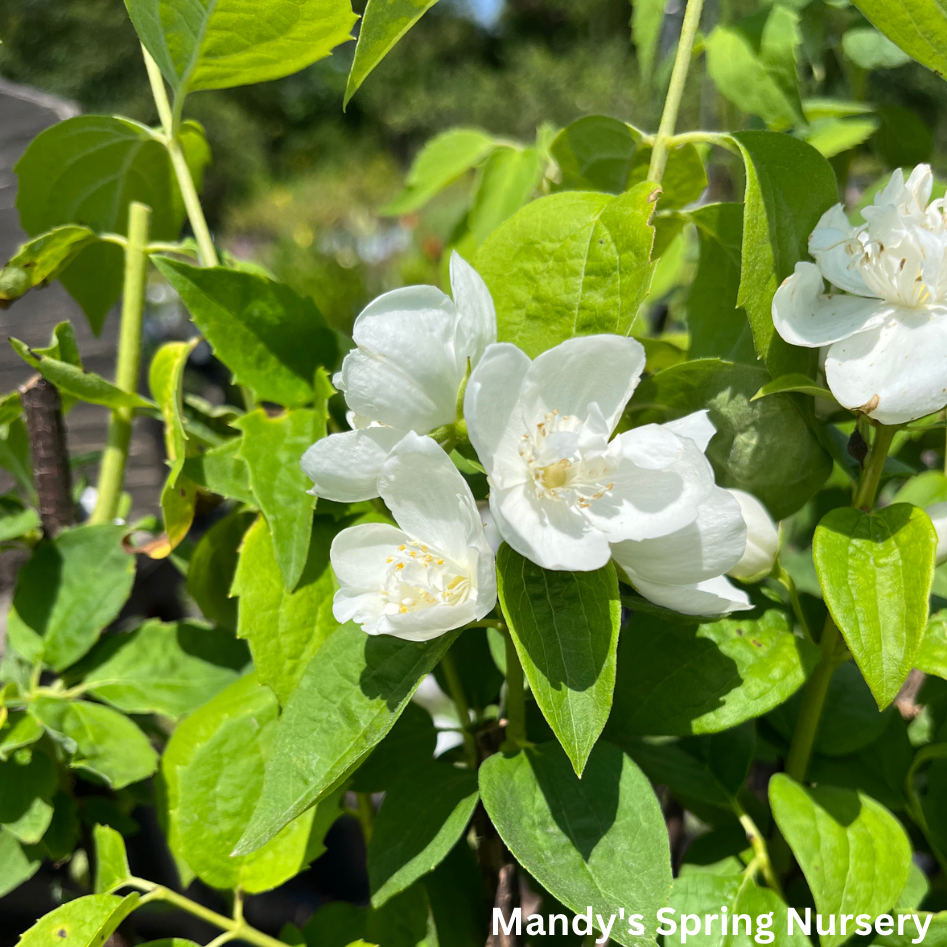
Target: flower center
[{"x": 419, "y": 577}]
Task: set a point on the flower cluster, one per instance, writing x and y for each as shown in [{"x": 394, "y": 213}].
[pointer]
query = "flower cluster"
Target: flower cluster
[
  {"x": 885, "y": 338},
  {"x": 565, "y": 491}
]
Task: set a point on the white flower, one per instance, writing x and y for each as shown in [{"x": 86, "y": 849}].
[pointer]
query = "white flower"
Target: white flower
[
  {"x": 560, "y": 490},
  {"x": 411, "y": 356},
  {"x": 762, "y": 540},
  {"x": 684, "y": 570},
  {"x": 433, "y": 572},
  {"x": 938, "y": 514},
  {"x": 887, "y": 338}
]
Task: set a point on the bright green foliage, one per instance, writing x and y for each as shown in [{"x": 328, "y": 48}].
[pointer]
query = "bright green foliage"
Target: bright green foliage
[
  {"x": 409, "y": 840},
  {"x": 104, "y": 744},
  {"x": 565, "y": 628},
  {"x": 284, "y": 628},
  {"x": 798, "y": 383},
  {"x": 68, "y": 592},
  {"x": 597, "y": 841},
  {"x": 162, "y": 668},
  {"x": 383, "y": 24},
  {"x": 932, "y": 655},
  {"x": 271, "y": 339},
  {"x": 730, "y": 670},
  {"x": 15, "y": 518},
  {"x": 217, "y": 44},
  {"x": 27, "y": 784},
  {"x": 90, "y": 169},
  {"x": 85, "y": 922},
  {"x": 854, "y": 853},
  {"x": 356, "y": 686},
  {"x": 222, "y": 471},
  {"x": 41, "y": 260},
  {"x": 212, "y": 567},
  {"x": 789, "y": 185},
  {"x": 871, "y": 50},
  {"x": 876, "y": 572},
  {"x": 271, "y": 448},
  {"x": 19, "y": 730},
  {"x": 111, "y": 862},
  {"x": 570, "y": 264},
  {"x": 919, "y": 27},
  {"x": 17, "y": 864}
]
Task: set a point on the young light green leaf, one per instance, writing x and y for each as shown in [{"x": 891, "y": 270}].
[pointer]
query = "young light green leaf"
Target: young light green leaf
[
  {"x": 214, "y": 44},
  {"x": 596, "y": 841},
  {"x": 356, "y": 687},
  {"x": 85, "y": 922},
  {"x": 111, "y": 862},
  {"x": 162, "y": 668},
  {"x": 271, "y": 447},
  {"x": 919, "y": 27},
  {"x": 103, "y": 742},
  {"x": 872, "y": 50},
  {"x": 223, "y": 471},
  {"x": 789, "y": 185},
  {"x": 795, "y": 382},
  {"x": 19, "y": 730},
  {"x": 932, "y": 656},
  {"x": 27, "y": 784},
  {"x": 89, "y": 169},
  {"x": 16, "y": 520},
  {"x": 732, "y": 670},
  {"x": 441, "y": 161},
  {"x": 833, "y": 136},
  {"x": 211, "y": 773},
  {"x": 73, "y": 586},
  {"x": 383, "y": 24},
  {"x": 854, "y": 853},
  {"x": 876, "y": 570},
  {"x": 565, "y": 628},
  {"x": 16, "y": 863},
  {"x": 15, "y": 456},
  {"x": 424, "y": 814},
  {"x": 574, "y": 263},
  {"x": 41, "y": 260},
  {"x": 270, "y": 338},
  {"x": 284, "y": 628},
  {"x": 646, "y": 19}
]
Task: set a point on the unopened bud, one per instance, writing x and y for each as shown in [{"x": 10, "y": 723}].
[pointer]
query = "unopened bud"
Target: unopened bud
[{"x": 762, "y": 540}]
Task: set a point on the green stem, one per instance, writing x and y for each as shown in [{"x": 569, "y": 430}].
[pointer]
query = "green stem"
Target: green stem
[
  {"x": 366, "y": 814},
  {"x": 112, "y": 471},
  {"x": 874, "y": 467},
  {"x": 459, "y": 698},
  {"x": 789, "y": 584},
  {"x": 236, "y": 927},
  {"x": 760, "y": 850},
  {"x": 515, "y": 699},
  {"x": 171, "y": 141},
  {"x": 672, "y": 104}
]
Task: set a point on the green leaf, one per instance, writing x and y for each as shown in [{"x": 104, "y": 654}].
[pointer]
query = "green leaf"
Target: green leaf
[
  {"x": 407, "y": 747},
  {"x": 565, "y": 627},
  {"x": 213, "y": 565},
  {"x": 932, "y": 656},
  {"x": 77, "y": 382},
  {"x": 284, "y": 628},
  {"x": 20, "y": 730},
  {"x": 647, "y": 16},
  {"x": 270, "y": 338},
  {"x": 876, "y": 570},
  {"x": 424, "y": 814},
  {"x": 869, "y": 49},
  {"x": 212, "y": 772},
  {"x": 718, "y": 328},
  {"x": 789, "y": 185},
  {"x": 16, "y": 863},
  {"x": 574, "y": 263},
  {"x": 89, "y": 169},
  {"x": 919, "y": 27},
  {"x": 272, "y": 447},
  {"x": 598, "y": 841},
  {"x": 763, "y": 447},
  {"x": 731, "y": 670},
  {"x": 85, "y": 922},
  {"x": 222, "y": 471},
  {"x": 16, "y": 520},
  {"x": 596, "y": 153},
  {"x": 111, "y": 862},
  {"x": 440, "y": 162},
  {"x": 73, "y": 587},
  {"x": 383, "y": 24},
  {"x": 162, "y": 668},
  {"x": 41, "y": 260},
  {"x": 753, "y": 64},
  {"x": 833, "y": 136},
  {"x": 216, "y": 45},
  {"x": 27, "y": 784},
  {"x": 349, "y": 697},
  {"x": 104, "y": 743},
  {"x": 15, "y": 456},
  {"x": 854, "y": 853},
  {"x": 795, "y": 382},
  {"x": 62, "y": 837}
]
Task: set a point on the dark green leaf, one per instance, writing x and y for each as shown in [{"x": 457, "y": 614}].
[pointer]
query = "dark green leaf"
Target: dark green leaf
[
  {"x": 213, "y": 564},
  {"x": 15, "y": 455},
  {"x": 16, "y": 863},
  {"x": 407, "y": 747},
  {"x": 27, "y": 784},
  {"x": 596, "y": 153}
]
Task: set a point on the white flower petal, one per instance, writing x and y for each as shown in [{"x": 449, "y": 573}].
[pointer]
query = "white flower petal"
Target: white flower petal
[
  {"x": 603, "y": 369},
  {"x": 358, "y": 554},
  {"x": 712, "y": 597},
  {"x": 697, "y": 426},
  {"x": 803, "y": 315},
  {"x": 431, "y": 622},
  {"x": 762, "y": 540},
  {"x": 904, "y": 364},
  {"x": 428, "y": 497},
  {"x": 345, "y": 467},
  {"x": 704, "y": 549},
  {"x": 834, "y": 245},
  {"x": 477, "y": 326}
]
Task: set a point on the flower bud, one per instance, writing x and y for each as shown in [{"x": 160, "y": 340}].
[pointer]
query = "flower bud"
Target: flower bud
[
  {"x": 938, "y": 514},
  {"x": 762, "y": 540}
]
